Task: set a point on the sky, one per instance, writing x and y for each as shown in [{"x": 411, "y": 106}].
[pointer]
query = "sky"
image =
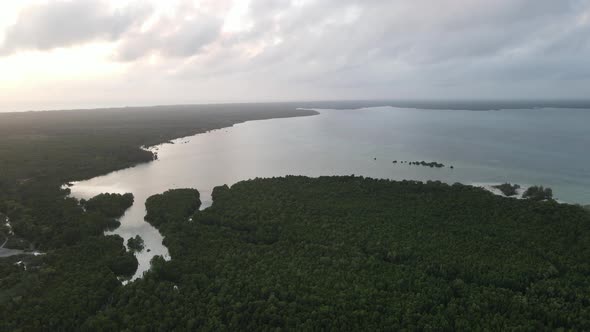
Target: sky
[{"x": 100, "y": 53}]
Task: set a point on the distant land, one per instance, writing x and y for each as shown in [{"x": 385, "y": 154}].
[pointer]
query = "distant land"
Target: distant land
[{"x": 444, "y": 104}]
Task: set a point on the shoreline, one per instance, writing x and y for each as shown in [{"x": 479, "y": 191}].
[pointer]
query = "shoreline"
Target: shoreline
[
  {"x": 490, "y": 188},
  {"x": 149, "y": 147},
  {"x": 153, "y": 149}
]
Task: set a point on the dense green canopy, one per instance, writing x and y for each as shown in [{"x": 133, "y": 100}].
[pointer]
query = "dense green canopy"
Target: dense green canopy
[
  {"x": 292, "y": 253},
  {"x": 538, "y": 193},
  {"x": 135, "y": 243},
  {"x": 106, "y": 205},
  {"x": 350, "y": 253}
]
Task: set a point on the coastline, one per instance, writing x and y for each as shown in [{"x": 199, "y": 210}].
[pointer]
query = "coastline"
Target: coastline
[
  {"x": 490, "y": 188},
  {"x": 139, "y": 205},
  {"x": 135, "y": 217},
  {"x": 150, "y": 147}
]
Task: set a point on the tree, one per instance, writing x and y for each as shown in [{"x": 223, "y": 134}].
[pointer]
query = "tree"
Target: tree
[
  {"x": 538, "y": 193},
  {"x": 135, "y": 243}
]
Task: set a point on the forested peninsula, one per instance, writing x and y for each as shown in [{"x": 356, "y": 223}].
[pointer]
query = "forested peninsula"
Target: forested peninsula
[
  {"x": 40, "y": 151},
  {"x": 79, "y": 267}
]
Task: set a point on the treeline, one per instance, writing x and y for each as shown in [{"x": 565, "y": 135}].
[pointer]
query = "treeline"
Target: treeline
[
  {"x": 351, "y": 253},
  {"x": 174, "y": 205},
  {"x": 538, "y": 193},
  {"x": 109, "y": 205}
]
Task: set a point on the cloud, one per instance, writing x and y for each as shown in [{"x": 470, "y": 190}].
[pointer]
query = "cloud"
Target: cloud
[
  {"x": 67, "y": 23},
  {"x": 422, "y": 42},
  {"x": 178, "y": 37},
  {"x": 326, "y": 49}
]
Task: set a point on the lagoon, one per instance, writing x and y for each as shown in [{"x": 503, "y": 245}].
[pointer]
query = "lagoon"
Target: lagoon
[{"x": 527, "y": 146}]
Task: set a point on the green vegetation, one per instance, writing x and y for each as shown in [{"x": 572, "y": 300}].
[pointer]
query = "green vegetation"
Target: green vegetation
[
  {"x": 4, "y": 229},
  {"x": 58, "y": 291},
  {"x": 538, "y": 193},
  {"x": 76, "y": 277},
  {"x": 48, "y": 222},
  {"x": 343, "y": 253},
  {"x": 135, "y": 243},
  {"x": 174, "y": 205},
  {"x": 508, "y": 189},
  {"x": 110, "y": 205},
  {"x": 39, "y": 151},
  {"x": 350, "y": 253}
]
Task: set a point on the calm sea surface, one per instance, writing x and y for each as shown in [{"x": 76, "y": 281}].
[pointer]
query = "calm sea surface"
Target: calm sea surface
[{"x": 531, "y": 147}]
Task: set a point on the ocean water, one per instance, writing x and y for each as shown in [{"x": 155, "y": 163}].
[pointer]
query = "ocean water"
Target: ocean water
[{"x": 547, "y": 146}]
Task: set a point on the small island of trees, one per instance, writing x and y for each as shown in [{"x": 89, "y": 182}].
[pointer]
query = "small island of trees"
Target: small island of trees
[
  {"x": 135, "y": 243},
  {"x": 431, "y": 164},
  {"x": 428, "y": 164}
]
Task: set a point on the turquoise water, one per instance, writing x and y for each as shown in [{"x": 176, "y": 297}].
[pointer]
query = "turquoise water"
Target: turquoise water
[{"x": 529, "y": 146}]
